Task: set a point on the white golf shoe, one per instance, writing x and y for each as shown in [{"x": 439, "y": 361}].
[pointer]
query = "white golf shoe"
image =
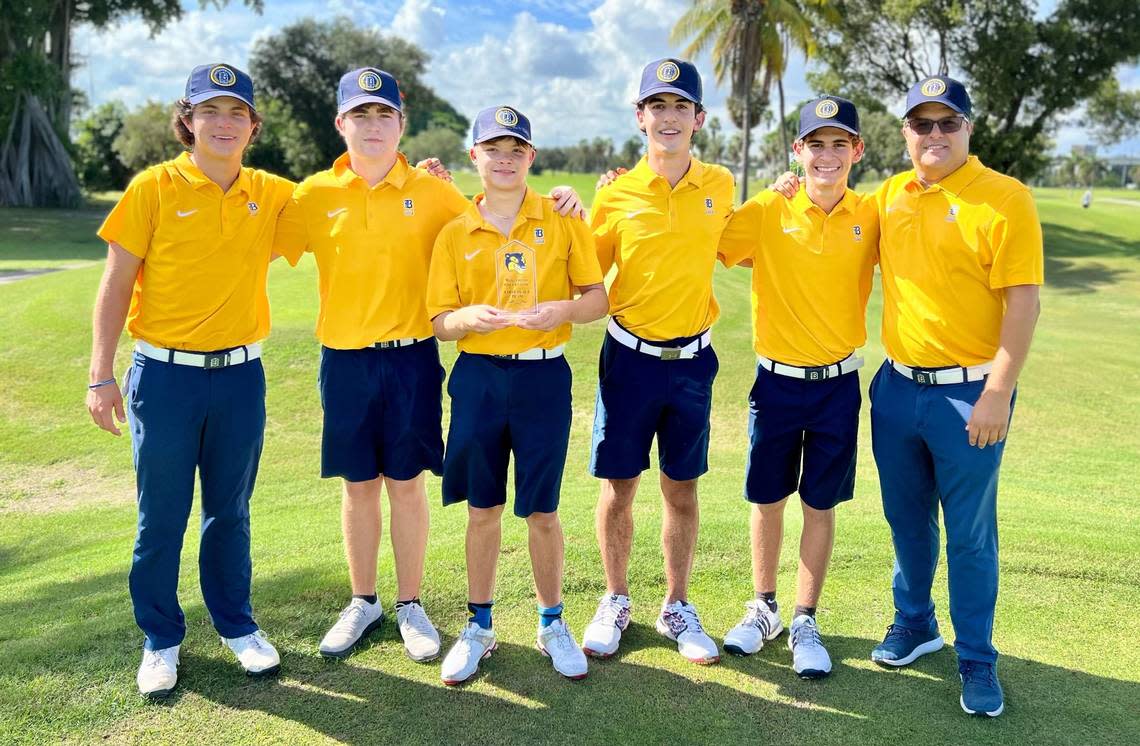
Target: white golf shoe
[
  {"x": 357, "y": 620},
  {"x": 759, "y": 625},
  {"x": 158, "y": 672},
  {"x": 462, "y": 661},
  {"x": 809, "y": 657},
  {"x": 602, "y": 635},
  {"x": 421, "y": 638},
  {"x": 255, "y": 653},
  {"x": 679, "y": 622},
  {"x": 556, "y": 642}
]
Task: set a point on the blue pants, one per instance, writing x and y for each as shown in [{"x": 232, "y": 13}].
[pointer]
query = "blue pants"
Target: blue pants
[
  {"x": 925, "y": 459},
  {"x": 184, "y": 419}
]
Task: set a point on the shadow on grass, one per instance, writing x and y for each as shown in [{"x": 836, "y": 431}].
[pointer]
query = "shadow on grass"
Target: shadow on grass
[{"x": 1067, "y": 255}]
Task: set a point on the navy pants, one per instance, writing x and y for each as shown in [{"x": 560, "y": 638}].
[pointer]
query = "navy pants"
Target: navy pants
[
  {"x": 185, "y": 420},
  {"x": 924, "y": 456}
]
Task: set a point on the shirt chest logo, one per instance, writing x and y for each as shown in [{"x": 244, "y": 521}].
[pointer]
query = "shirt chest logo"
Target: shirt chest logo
[
  {"x": 952, "y": 216},
  {"x": 539, "y": 236},
  {"x": 409, "y": 207},
  {"x": 857, "y": 232},
  {"x": 252, "y": 207},
  {"x": 709, "y": 206}
]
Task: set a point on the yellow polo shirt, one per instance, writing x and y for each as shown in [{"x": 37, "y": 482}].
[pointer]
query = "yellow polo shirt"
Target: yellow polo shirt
[
  {"x": 205, "y": 254},
  {"x": 469, "y": 250},
  {"x": 811, "y": 273},
  {"x": 664, "y": 242},
  {"x": 373, "y": 248},
  {"x": 946, "y": 253}
]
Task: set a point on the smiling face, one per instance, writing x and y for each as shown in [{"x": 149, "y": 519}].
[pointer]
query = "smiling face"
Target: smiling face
[
  {"x": 669, "y": 121},
  {"x": 827, "y": 155},
  {"x": 937, "y": 154},
  {"x": 371, "y": 131},
  {"x": 222, "y": 127},
  {"x": 503, "y": 163}
]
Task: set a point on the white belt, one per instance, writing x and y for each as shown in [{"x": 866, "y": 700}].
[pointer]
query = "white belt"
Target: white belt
[
  {"x": 535, "y": 353},
  {"x": 942, "y": 376},
  {"x": 819, "y": 373},
  {"x": 391, "y": 343},
  {"x": 633, "y": 342},
  {"x": 236, "y": 356}
]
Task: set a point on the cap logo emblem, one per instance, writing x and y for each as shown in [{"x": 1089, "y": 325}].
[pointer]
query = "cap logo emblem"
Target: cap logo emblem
[
  {"x": 826, "y": 109},
  {"x": 668, "y": 71},
  {"x": 506, "y": 117},
  {"x": 934, "y": 87},
  {"x": 369, "y": 80},
  {"x": 223, "y": 76}
]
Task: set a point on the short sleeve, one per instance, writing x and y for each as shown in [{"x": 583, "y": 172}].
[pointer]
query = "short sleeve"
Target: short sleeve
[
  {"x": 602, "y": 233},
  {"x": 1016, "y": 243},
  {"x": 741, "y": 236},
  {"x": 292, "y": 237},
  {"x": 443, "y": 284},
  {"x": 583, "y": 262},
  {"x": 131, "y": 222}
]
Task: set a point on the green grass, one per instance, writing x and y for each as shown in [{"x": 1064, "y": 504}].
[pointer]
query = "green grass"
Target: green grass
[{"x": 1067, "y": 613}]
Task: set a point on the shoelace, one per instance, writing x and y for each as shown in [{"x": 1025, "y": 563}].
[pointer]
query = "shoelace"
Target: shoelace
[
  {"x": 562, "y": 638},
  {"x": 896, "y": 632},
  {"x": 806, "y": 634},
  {"x": 155, "y": 660},
  {"x": 753, "y": 617},
  {"x": 973, "y": 671},
  {"x": 608, "y": 612},
  {"x": 350, "y": 615},
  {"x": 416, "y": 618},
  {"x": 689, "y": 615}
]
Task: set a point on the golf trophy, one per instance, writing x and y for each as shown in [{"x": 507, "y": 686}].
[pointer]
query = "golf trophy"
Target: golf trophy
[{"x": 516, "y": 279}]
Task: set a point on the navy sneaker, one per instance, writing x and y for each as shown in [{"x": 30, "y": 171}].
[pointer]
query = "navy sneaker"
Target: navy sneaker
[
  {"x": 981, "y": 692},
  {"x": 904, "y": 646}
]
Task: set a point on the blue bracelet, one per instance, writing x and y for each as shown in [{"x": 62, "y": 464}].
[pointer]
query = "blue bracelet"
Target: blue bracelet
[{"x": 100, "y": 384}]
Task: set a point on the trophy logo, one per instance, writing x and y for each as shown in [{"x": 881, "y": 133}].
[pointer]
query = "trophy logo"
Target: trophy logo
[{"x": 516, "y": 279}]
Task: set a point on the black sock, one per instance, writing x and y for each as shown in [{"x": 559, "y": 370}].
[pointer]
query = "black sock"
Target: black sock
[
  {"x": 808, "y": 610},
  {"x": 370, "y": 599},
  {"x": 402, "y": 604},
  {"x": 768, "y": 597}
]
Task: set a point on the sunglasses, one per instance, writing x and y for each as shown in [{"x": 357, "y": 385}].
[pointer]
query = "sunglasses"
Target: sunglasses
[{"x": 947, "y": 126}]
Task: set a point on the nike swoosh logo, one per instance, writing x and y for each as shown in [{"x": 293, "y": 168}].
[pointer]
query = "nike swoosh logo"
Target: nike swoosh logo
[
  {"x": 337, "y": 211},
  {"x": 634, "y": 214},
  {"x": 472, "y": 255},
  {"x": 790, "y": 230},
  {"x": 187, "y": 213}
]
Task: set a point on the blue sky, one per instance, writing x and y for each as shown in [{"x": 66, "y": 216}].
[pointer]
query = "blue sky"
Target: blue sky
[{"x": 572, "y": 65}]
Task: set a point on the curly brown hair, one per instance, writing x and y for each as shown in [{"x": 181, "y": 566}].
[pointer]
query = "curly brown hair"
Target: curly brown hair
[{"x": 184, "y": 110}]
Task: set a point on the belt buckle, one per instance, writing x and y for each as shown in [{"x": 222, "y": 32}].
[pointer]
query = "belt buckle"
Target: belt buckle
[
  {"x": 670, "y": 353},
  {"x": 216, "y": 360},
  {"x": 927, "y": 378},
  {"x": 385, "y": 345},
  {"x": 816, "y": 374}
]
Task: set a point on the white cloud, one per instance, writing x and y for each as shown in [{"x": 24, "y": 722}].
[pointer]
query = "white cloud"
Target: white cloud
[{"x": 421, "y": 22}]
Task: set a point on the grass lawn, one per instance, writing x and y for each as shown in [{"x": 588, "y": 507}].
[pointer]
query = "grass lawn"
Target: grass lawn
[{"x": 1067, "y": 623}]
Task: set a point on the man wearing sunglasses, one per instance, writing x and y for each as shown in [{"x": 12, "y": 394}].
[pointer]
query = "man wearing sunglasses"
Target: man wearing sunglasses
[{"x": 962, "y": 261}]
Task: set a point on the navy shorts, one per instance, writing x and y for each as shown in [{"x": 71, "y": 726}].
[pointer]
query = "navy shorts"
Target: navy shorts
[
  {"x": 789, "y": 420},
  {"x": 639, "y": 397},
  {"x": 383, "y": 410},
  {"x": 500, "y": 407}
]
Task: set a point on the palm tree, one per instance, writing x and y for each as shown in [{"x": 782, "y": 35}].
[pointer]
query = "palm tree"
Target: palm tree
[{"x": 749, "y": 41}]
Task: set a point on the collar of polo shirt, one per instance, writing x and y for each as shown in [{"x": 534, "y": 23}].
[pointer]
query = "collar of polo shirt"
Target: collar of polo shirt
[
  {"x": 199, "y": 180},
  {"x": 397, "y": 176},
  {"x": 531, "y": 209}
]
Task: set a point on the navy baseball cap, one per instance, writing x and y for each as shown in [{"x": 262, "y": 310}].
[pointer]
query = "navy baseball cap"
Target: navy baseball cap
[
  {"x": 670, "y": 76},
  {"x": 940, "y": 90},
  {"x": 828, "y": 111},
  {"x": 500, "y": 121},
  {"x": 367, "y": 85},
  {"x": 209, "y": 81}
]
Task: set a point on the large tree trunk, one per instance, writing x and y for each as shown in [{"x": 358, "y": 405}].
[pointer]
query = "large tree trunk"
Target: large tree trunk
[
  {"x": 59, "y": 53},
  {"x": 783, "y": 125},
  {"x": 35, "y": 169},
  {"x": 746, "y": 144}
]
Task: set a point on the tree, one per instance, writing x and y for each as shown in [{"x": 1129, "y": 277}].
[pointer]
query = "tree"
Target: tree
[
  {"x": 709, "y": 142},
  {"x": 1113, "y": 114},
  {"x": 35, "y": 89},
  {"x": 749, "y": 40},
  {"x": 300, "y": 67},
  {"x": 439, "y": 142},
  {"x": 1024, "y": 72},
  {"x": 96, "y": 163},
  {"x": 631, "y": 151},
  {"x": 146, "y": 137}
]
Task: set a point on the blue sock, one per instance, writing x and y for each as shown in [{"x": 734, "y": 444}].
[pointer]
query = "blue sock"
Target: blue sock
[
  {"x": 480, "y": 614},
  {"x": 546, "y": 616}
]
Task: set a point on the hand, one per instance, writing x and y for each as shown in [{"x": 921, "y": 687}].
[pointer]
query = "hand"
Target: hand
[
  {"x": 104, "y": 402},
  {"x": 481, "y": 319},
  {"x": 989, "y": 422},
  {"x": 567, "y": 202},
  {"x": 610, "y": 177},
  {"x": 550, "y": 316},
  {"x": 435, "y": 167},
  {"x": 788, "y": 184}
]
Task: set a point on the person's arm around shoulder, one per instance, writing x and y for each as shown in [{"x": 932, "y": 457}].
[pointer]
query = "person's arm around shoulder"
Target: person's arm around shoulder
[{"x": 104, "y": 399}]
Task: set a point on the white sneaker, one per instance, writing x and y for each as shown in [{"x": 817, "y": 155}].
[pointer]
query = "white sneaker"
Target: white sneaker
[
  {"x": 255, "y": 654},
  {"x": 809, "y": 657},
  {"x": 760, "y": 624},
  {"x": 603, "y": 634},
  {"x": 421, "y": 639},
  {"x": 357, "y": 621},
  {"x": 679, "y": 622},
  {"x": 556, "y": 642},
  {"x": 462, "y": 661},
  {"x": 158, "y": 672}
]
